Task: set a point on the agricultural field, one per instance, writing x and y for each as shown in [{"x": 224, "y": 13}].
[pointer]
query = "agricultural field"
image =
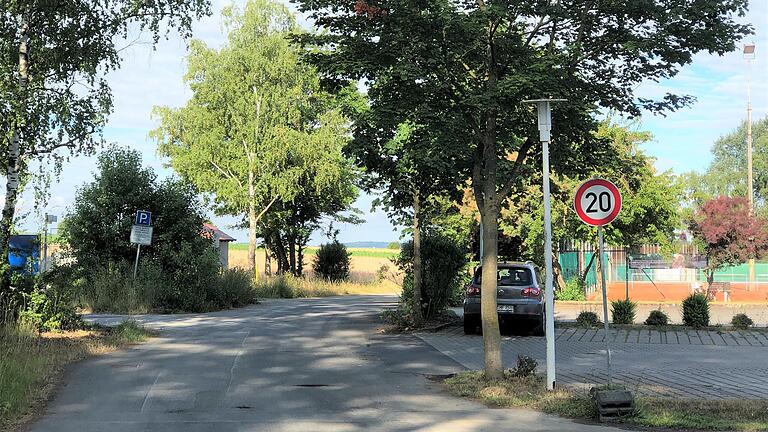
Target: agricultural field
[{"x": 366, "y": 262}]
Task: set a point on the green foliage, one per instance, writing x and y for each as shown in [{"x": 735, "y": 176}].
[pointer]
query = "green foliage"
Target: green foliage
[
  {"x": 657, "y": 318},
  {"x": 332, "y": 262},
  {"x": 587, "y": 319},
  {"x": 742, "y": 321},
  {"x": 443, "y": 262},
  {"x": 623, "y": 311},
  {"x": 393, "y": 245},
  {"x": 258, "y": 133},
  {"x": 696, "y": 311},
  {"x": 45, "y": 311},
  {"x": 572, "y": 291},
  {"x": 526, "y": 367}
]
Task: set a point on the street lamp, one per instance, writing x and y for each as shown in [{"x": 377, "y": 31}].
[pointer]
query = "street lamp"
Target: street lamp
[
  {"x": 749, "y": 55},
  {"x": 544, "y": 110}
]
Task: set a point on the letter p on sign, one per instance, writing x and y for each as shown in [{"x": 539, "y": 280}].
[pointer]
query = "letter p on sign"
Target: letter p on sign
[{"x": 143, "y": 217}]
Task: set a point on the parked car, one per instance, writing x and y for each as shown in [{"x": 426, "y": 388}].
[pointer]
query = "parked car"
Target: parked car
[{"x": 519, "y": 296}]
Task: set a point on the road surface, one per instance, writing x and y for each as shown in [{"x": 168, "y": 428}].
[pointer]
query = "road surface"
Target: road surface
[{"x": 284, "y": 365}]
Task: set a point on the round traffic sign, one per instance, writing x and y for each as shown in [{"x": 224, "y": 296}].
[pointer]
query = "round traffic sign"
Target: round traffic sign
[{"x": 597, "y": 202}]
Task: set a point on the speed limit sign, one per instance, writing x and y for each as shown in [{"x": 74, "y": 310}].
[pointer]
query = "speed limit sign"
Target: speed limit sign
[{"x": 597, "y": 202}]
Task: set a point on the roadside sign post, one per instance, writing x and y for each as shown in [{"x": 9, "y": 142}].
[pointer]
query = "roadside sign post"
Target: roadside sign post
[
  {"x": 544, "y": 111},
  {"x": 598, "y": 202},
  {"x": 141, "y": 234}
]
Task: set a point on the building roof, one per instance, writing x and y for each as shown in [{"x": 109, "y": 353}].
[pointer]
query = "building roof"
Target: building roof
[{"x": 213, "y": 230}]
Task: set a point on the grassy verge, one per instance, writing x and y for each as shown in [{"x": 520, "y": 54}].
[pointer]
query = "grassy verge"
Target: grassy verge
[
  {"x": 292, "y": 287},
  {"x": 32, "y": 364},
  {"x": 356, "y": 252},
  {"x": 529, "y": 392}
]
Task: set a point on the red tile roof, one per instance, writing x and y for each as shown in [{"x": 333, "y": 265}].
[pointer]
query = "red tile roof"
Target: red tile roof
[{"x": 211, "y": 230}]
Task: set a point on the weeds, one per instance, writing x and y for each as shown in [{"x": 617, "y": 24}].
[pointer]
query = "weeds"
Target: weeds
[{"x": 293, "y": 287}]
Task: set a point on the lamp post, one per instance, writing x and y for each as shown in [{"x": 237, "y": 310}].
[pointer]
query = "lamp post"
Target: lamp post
[
  {"x": 749, "y": 55},
  {"x": 544, "y": 110},
  {"x": 48, "y": 219}
]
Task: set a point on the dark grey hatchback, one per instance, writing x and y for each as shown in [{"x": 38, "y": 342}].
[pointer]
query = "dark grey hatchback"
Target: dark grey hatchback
[{"x": 519, "y": 295}]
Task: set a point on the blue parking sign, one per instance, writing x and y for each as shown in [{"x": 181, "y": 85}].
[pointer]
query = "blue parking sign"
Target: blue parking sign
[{"x": 143, "y": 217}]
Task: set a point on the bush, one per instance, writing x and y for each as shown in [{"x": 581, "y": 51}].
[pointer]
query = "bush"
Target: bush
[
  {"x": 526, "y": 366},
  {"x": 236, "y": 288},
  {"x": 46, "y": 311},
  {"x": 623, "y": 311},
  {"x": 742, "y": 321},
  {"x": 588, "y": 319},
  {"x": 657, "y": 318},
  {"x": 696, "y": 311},
  {"x": 572, "y": 291},
  {"x": 443, "y": 263},
  {"x": 332, "y": 262}
]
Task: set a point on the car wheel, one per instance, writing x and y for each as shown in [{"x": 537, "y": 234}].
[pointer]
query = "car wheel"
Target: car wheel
[
  {"x": 541, "y": 326},
  {"x": 470, "y": 325}
]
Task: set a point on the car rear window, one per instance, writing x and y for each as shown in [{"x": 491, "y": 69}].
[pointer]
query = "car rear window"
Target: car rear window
[{"x": 508, "y": 276}]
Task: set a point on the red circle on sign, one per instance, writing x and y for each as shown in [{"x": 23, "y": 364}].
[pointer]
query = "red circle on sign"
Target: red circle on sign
[{"x": 612, "y": 213}]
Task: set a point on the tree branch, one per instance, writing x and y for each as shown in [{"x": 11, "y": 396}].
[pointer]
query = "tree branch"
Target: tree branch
[
  {"x": 227, "y": 174},
  {"x": 522, "y": 154}
]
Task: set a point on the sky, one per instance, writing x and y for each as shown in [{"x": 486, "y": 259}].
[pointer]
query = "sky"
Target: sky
[{"x": 682, "y": 140}]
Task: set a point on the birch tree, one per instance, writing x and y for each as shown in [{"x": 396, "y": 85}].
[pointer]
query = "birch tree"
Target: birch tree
[
  {"x": 253, "y": 133},
  {"x": 54, "y": 99}
]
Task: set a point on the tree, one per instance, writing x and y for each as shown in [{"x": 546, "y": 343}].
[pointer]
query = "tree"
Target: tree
[
  {"x": 54, "y": 100},
  {"x": 467, "y": 67},
  {"x": 650, "y": 210},
  {"x": 258, "y": 131},
  {"x": 729, "y": 233},
  {"x": 97, "y": 229},
  {"x": 726, "y": 174}
]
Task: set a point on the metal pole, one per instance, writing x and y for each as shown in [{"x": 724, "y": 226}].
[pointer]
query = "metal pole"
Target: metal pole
[
  {"x": 549, "y": 309},
  {"x": 626, "y": 272},
  {"x": 750, "y": 185},
  {"x": 45, "y": 244},
  {"x": 605, "y": 302},
  {"x": 136, "y": 264}
]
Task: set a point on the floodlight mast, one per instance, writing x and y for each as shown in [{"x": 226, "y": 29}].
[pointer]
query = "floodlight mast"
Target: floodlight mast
[{"x": 544, "y": 110}]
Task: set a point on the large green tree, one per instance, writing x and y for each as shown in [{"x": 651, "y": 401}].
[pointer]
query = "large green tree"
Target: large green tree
[
  {"x": 727, "y": 174},
  {"x": 474, "y": 62},
  {"x": 54, "y": 99},
  {"x": 258, "y": 130}
]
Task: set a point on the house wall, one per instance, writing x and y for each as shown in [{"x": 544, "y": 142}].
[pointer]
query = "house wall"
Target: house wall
[{"x": 224, "y": 254}]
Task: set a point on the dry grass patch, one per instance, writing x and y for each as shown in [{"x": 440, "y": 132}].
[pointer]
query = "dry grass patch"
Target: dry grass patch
[
  {"x": 677, "y": 414},
  {"x": 31, "y": 365},
  {"x": 293, "y": 287}
]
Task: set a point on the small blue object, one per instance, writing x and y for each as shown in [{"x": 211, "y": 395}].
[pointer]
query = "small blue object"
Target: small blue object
[
  {"x": 143, "y": 217},
  {"x": 24, "y": 253}
]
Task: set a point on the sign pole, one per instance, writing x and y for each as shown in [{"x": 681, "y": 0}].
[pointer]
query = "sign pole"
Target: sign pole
[
  {"x": 136, "y": 264},
  {"x": 605, "y": 301}
]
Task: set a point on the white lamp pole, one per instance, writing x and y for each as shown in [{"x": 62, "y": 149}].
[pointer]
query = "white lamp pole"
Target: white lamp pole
[
  {"x": 749, "y": 55},
  {"x": 544, "y": 109}
]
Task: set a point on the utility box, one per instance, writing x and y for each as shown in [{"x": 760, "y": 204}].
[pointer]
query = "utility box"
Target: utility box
[{"x": 613, "y": 404}]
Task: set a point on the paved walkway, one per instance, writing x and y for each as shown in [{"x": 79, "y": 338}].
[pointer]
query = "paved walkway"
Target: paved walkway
[
  {"x": 684, "y": 364},
  {"x": 288, "y": 366}
]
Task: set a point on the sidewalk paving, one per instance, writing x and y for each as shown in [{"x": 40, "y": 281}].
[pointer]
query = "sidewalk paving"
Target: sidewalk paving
[{"x": 679, "y": 364}]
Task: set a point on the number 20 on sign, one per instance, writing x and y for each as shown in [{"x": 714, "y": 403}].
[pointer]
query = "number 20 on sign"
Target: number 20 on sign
[{"x": 597, "y": 202}]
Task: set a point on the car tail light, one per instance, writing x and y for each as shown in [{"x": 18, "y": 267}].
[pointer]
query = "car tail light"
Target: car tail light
[
  {"x": 531, "y": 292},
  {"x": 473, "y": 289}
]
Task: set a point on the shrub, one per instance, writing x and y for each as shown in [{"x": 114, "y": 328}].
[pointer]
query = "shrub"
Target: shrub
[
  {"x": 572, "y": 291},
  {"x": 443, "y": 261},
  {"x": 742, "y": 321},
  {"x": 696, "y": 311},
  {"x": 657, "y": 318},
  {"x": 623, "y": 311},
  {"x": 236, "y": 288},
  {"x": 332, "y": 262},
  {"x": 588, "y": 319},
  {"x": 526, "y": 366},
  {"x": 47, "y": 311}
]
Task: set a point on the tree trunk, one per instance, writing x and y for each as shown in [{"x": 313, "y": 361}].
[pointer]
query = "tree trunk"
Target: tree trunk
[
  {"x": 557, "y": 272},
  {"x": 300, "y": 259},
  {"x": 488, "y": 305},
  {"x": 417, "y": 268},
  {"x": 14, "y": 169},
  {"x": 586, "y": 270},
  {"x": 252, "y": 221},
  {"x": 292, "y": 253}
]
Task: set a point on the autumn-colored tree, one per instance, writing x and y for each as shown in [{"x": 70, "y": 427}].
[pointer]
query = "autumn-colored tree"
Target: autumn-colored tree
[{"x": 729, "y": 233}]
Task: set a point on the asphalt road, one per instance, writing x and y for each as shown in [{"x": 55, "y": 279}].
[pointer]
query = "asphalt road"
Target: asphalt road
[{"x": 287, "y": 365}]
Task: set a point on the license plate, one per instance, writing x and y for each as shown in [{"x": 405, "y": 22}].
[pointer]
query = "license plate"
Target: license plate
[{"x": 506, "y": 308}]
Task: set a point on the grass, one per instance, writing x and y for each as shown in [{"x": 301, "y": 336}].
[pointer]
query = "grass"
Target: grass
[
  {"x": 689, "y": 414},
  {"x": 292, "y": 287},
  {"x": 31, "y": 365}
]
